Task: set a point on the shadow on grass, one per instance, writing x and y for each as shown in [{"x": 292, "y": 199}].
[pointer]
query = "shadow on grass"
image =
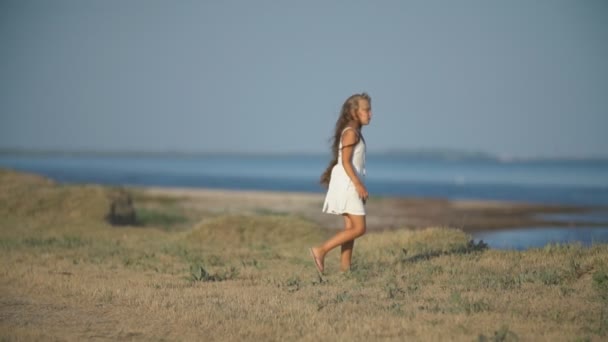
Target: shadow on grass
[{"x": 470, "y": 247}]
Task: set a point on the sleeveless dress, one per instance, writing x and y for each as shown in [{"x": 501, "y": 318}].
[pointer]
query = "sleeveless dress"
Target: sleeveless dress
[{"x": 341, "y": 195}]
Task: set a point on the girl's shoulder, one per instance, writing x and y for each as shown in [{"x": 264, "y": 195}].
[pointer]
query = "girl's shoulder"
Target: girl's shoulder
[
  {"x": 353, "y": 129},
  {"x": 350, "y": 136}
]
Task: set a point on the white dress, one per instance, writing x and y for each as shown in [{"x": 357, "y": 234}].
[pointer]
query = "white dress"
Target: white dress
[{"x": 341, "y": 195}]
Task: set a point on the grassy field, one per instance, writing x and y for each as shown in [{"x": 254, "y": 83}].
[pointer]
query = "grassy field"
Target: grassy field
[{"x": 186, "y": 274}]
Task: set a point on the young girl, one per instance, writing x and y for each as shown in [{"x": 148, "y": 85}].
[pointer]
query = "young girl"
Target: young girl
[{"x": 346, "y": 193}]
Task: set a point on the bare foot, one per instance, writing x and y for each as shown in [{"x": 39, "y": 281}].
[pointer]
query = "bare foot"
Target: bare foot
[{"x": 319, "y": 261}]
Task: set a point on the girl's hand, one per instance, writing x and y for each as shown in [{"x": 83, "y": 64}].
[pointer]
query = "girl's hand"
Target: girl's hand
[{"x": 361, "y": 191}]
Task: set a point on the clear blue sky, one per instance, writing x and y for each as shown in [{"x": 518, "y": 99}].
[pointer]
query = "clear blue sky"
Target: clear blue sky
[{"x": 513, "y": 78}]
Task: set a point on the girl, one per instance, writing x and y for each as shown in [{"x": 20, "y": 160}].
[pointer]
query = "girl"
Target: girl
[{"x": 346, "y": 193}]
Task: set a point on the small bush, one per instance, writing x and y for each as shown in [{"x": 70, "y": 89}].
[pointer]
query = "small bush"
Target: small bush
[
  {"x": 292, "y": 284},
  {"x": 198, "y": 273}
]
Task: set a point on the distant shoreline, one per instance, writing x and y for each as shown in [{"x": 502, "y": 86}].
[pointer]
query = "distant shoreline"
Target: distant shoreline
[
  {"x": 413, "y": 154},
  {"x": 383, "y": 212}
]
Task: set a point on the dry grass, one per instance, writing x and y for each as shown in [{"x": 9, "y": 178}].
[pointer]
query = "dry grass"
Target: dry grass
[{"x": 248, "y": 277}]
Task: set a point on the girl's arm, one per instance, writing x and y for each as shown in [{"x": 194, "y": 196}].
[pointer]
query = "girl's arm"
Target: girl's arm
[{"x": 349, "y": 140}]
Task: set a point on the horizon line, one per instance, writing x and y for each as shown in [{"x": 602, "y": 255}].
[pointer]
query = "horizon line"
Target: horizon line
[{"x": 421, "y": 152}]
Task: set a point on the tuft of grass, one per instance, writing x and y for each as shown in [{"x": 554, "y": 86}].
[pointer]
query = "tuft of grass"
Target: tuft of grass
[
  {"x": 199, "y": 273},
  {"x": 600, "y": 282},
  {"x": 393, "y": 290},
  {"x": 501, "y": 335},
  {"x": 292, "y": 284},
  {"x": 468, "y": 306},
  {"x": 252, "y": 263},
  {"x": 339, "y": 298}
]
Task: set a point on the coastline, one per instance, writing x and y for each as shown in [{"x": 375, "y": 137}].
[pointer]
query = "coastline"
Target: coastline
[{"x": 384, "y": 213}]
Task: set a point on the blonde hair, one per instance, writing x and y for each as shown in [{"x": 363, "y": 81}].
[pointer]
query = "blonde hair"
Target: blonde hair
[{"x": 350, "y": 106}]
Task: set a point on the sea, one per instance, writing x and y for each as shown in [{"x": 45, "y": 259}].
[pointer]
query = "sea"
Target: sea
[{"x": 581, "y": 182}]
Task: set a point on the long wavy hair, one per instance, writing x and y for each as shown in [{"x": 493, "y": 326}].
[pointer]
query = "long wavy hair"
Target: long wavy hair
[{"x": 346, "y": 115}]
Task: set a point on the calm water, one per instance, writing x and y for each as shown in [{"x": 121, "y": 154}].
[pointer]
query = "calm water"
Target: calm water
[
  {"x": 574, "y": 182},
  {"x": 536, "y": 237},
  {"x": 555, "y": 182}
]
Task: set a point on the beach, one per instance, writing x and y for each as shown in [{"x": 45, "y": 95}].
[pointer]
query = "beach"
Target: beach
[{"x": 383, "y": 213}]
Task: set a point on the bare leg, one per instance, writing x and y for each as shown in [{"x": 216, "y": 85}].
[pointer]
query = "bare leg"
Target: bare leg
[
  {"x": 358, "y": 229},
  {"x": 346, "y": 250}
]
